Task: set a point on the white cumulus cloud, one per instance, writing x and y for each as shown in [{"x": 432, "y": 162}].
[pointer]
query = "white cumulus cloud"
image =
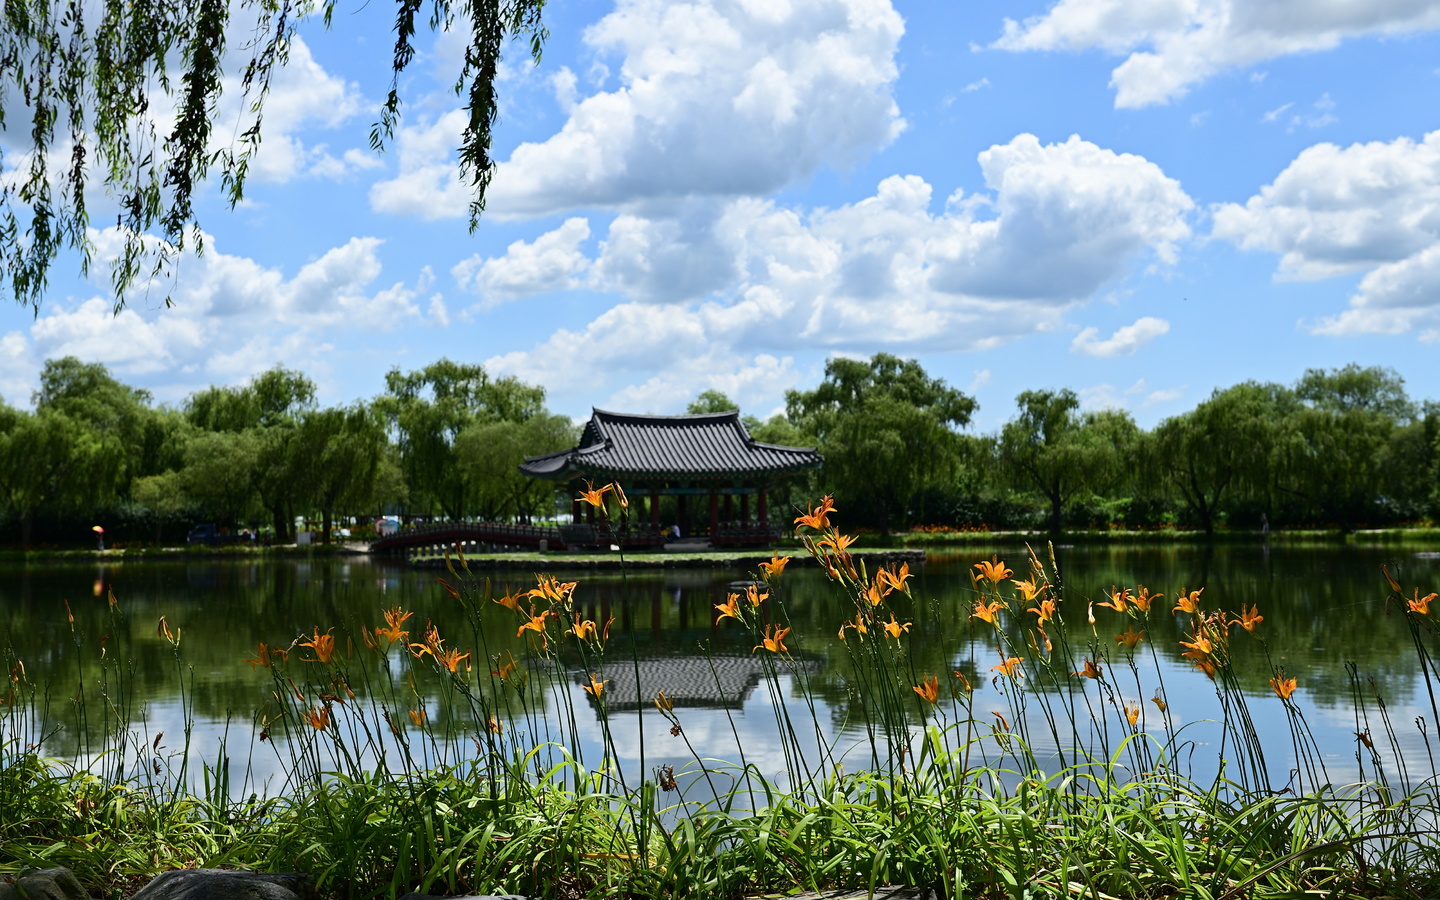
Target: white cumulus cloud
[
  {"x": 744, "y": 276},
  {"x": 1171, "y": 45},
  {"x": 551, "y": 262},
  {"x": 1371, "y": 208},
  {"x": 1124, "y": 342},
  {"x": 231, "y": 317},
  {"x": 717, "y": 98}
]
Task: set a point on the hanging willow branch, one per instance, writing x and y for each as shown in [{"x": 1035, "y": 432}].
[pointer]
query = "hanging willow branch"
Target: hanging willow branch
[{"x": 122, "y": 95}]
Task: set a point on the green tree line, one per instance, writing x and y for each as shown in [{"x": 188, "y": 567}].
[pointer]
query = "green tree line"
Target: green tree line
[
  {"x": 444, "y": 440},
  {"x": 1344, "y": 448}
]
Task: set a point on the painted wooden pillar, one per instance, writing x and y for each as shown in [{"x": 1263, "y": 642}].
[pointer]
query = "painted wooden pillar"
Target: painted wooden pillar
[
  {"x": 714, "y": 512},
  {"x": 763, "y": 514},
  {"x": 589, "y": 514},
  {"x": 729, "y": 507},
  {"x": 682, "y": 517},
  {"x": 745, "y": 511},
  {"x": 655, "y": 507},
  {"x": 575, "y": 510}
]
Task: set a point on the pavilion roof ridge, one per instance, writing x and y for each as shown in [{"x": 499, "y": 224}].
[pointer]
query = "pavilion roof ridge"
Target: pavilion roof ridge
[{"x": 704, "y": 445}]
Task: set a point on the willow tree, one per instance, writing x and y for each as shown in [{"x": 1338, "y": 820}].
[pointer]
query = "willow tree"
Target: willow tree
[
  {"x": 124, "y": 97},
  {"x": 1056, "y": 450},
  {"x": 887, "y": 430},
  {"x": 430, "y": 408},
  {"x": 1222, "y": 447}
]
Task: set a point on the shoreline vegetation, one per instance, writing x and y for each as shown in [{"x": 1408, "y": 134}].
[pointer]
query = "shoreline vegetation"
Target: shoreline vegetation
[
  {"x": 411, "y": 764},
  {"x": 1422, "y": 538}
]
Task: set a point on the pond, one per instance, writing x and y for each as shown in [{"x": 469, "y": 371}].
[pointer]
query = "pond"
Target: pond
[{"x": 1325, "y": 622}]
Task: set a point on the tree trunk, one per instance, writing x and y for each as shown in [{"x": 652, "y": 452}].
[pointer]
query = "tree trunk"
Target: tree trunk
[
  {"x": 1057, "y": 509},
  {"x": 325, "y": 518},
  {"x": 26, "y": 521}
]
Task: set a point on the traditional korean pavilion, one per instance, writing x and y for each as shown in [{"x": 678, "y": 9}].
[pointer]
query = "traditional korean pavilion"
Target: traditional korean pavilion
[{"x": 709, "y": 463}]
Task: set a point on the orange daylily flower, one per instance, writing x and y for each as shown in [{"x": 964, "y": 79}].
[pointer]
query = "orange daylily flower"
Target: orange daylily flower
[
  {"x": 451, "y": 659},
  {"x": 1010, "y": 667},
  {"x": 663, "y": 702},
  {"x": 163, "y": 630},
  {"x": 858, "y": 625},
  {"x": 1158, "y": 701},
  {"x": 430, "y": 643},
  {"x": 1249, "y": 618},
  {"x": 729, "y": 609},
  {"x": 548, "y": 587},
  {"x": 993, "y": 570},
  {"x": 964, "y": 682},
  {"x": 819, "y": 517},
  {"x": 894, "y": 628},
  {"x": 417, "y": 716},
  {"x": 1188, "y": 603},
  {"x": 929, "y": 689},
  {"x": 262, "y": 657},
  {"x": 1419, "y": 604},
  {"x": 986, "y": 612},
  {"x": 1282, "y": 686},
  {"x": 836, "y": 541},
  {"x": 322, "y": 644},
  {"x": 596, "y": 687},
  {"x": 583, "y": 629},
  {"x": 1118, "y": 599},
  {"x": 393, "y": 632},
  {"x": 511, "y": 601},
  {"x": 896, "y": 578},
  {"x": 1132, "y": 713},
  {"x": 596, "y": 497},
  {"x": 1045, "y": 611},
  {"x": 1144, "y": 598},
  {"x": 536, "y": 623},
  {"x": 775, "y": 566},
  {"x": 773, "y": 640},
  {"x": 495, "y": 726},
  {"x": 318, "y": 718},
  {"x": 1090, "y": 670},
  {"x": 1030, "y": 590},
  {"x": 1001, "y": 716},
  {"x": 1201, "y": 645},
  {"x": 1204, "y": 664},
  {"x": 1130, "y": 638},
  {"x": 755, "y": 595},
  {"x": 875, "y": 593}
]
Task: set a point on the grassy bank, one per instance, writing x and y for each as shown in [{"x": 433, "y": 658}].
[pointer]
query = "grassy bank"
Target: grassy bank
[
  {"x": 420, "y": 760},
  {"x": 122, "y": 554}
]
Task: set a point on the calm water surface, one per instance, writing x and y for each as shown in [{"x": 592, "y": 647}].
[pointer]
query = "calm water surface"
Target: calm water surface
[{"x": 1323, "y": 608}]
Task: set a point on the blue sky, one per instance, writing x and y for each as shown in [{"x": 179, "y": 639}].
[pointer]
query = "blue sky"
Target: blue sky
[{"x": 1141, "y": 200}]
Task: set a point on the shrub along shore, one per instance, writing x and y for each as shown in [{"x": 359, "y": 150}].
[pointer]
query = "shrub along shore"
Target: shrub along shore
[
  {"x": 1421, "y": 538},
  {"x": 413, "y": 765}
]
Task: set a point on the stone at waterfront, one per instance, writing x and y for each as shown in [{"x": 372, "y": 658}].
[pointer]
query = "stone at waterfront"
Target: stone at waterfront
[
  {"x": 45, "y": 884},
  {"x": 226, "y": 884}
]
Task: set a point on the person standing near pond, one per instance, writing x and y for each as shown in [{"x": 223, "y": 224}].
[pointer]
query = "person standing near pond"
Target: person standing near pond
[{"x": 99, "y": 537}]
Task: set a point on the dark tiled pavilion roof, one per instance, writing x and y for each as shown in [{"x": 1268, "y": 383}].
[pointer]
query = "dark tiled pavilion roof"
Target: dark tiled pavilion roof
[{"x": 621, "y": 445}]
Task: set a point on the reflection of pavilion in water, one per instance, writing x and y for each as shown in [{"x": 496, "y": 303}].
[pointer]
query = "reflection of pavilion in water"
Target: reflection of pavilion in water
[
  {"x": 672, "y": 620},
  {"x": 694, "y": 681}
]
